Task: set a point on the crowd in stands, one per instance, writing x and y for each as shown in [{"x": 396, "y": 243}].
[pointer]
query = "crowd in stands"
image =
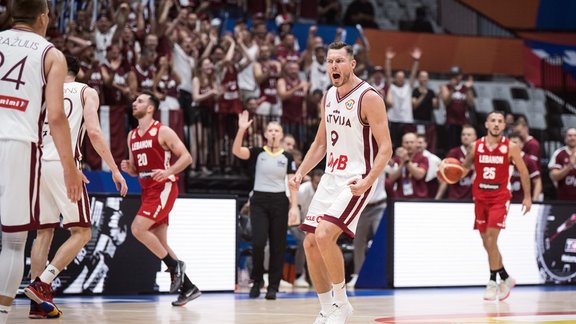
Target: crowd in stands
[{"x": 209, "y": 60}]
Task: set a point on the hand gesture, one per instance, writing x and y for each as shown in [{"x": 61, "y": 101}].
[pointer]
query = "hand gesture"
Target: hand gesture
[
  {"x": 402, "y": 154},
  {"x": 313, "y": 30},
  {"x": 416, "y": 53},
  {"x": 243, "y": 121},
  {"x": 358, "y": 186},
  {"x": 469, "y": 82},
  {"x": 390, "y": 54}
]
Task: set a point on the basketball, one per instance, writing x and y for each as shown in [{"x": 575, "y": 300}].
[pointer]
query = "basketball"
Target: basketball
[{"x": 450, "y": 170}]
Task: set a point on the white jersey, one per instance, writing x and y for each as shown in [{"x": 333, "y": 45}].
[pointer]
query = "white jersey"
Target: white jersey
[
  {"x": 22, "y": 81},
  {"x": 74, "y": 108},
  {"x": 351, "y": 148}
]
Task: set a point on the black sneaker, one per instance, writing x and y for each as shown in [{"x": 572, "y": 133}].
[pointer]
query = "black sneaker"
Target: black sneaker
[
  {"x": 255, "y": 290},
  {"x": 271, "y": 294},
  {"x": 186, "y": 296},
  {"x": 177, "y": 275}
]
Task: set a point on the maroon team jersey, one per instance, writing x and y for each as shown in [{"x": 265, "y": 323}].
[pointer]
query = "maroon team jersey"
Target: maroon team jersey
[
  {"x": 145, "y": 77},
  {"x": 515, "y": 182},
  {"x": 268, "y": 86},
  {"x": 115, "y": 97},
  {"x": 293, "y": 107},
  {"x": 532, "y": 149},
  {"x": 168, "y": 85},
  {"x": 566, "y": 188},
  {"x": 456, "y": 109},
  {"x": 492, "y": 171},
  {"x": 230, "y": 101},
  {"x": 461, "y": 190},
  {"x": 407, "y": 186},
  {"x": 148, "y": 155}
]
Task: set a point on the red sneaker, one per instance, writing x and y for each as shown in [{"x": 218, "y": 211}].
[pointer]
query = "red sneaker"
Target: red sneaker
[
  {"x": 41, "y": 293},
  {"x": 36, "y": 312}
]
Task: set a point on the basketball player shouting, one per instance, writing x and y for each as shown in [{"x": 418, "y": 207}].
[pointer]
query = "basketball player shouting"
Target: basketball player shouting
[
  {"x": 354, "y": 135},
  {"x": 33, "y": 74},
  {"x": 151, "y": 145},
  {"x": 81, "y": 104},
  {"x": 491, "y": 156}
]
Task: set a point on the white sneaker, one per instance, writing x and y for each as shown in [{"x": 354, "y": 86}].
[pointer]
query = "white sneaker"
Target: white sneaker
[
  {"x": 301, "y": 282},
  {"x": 321, "y": 318},
  {"x": 340, "y": 314},
  {"x": 504, "y": 288},
  {"x": 352, "y": 283},
  {"x": 491, "y": 290}
]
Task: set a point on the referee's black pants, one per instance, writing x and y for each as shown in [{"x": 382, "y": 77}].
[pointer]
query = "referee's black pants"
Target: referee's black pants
[{"x": 269, "y": 218}]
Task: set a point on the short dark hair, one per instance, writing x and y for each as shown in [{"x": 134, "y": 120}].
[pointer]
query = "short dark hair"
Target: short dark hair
[
  {"x": 339, "y": 45},
  {"x": 499, "y": 112},
  {"x": 153, "y": 99},
  {"x": 521, "y": 120},
  {"x": 515, "y": 135},
  {"x": 73, "y": 66},
  {"x": 26, "y": 11}
]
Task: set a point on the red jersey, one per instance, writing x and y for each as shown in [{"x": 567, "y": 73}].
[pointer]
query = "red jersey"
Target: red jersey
[
  {"x": 461, "y": 190},
  {"x": 148, "y": 155},
  {"x": 230, "y": 101},
  {"x": 268, "y": 86},
  {"x": 293, "y": 107},
  {"x": 515, "y": 182},
  {"x": 456, "y": 109},
  {"x": 492, "y": 170}
]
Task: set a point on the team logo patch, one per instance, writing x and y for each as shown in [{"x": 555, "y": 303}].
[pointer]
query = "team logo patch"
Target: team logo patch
[
  {"x": 349, "y": 104},
  {"x": 504, "y": 149},
  {"x": 153, "y": 131}
]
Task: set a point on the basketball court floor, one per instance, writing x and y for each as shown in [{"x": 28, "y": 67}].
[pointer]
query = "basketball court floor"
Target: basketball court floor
[{"x": 529, "y": 304}]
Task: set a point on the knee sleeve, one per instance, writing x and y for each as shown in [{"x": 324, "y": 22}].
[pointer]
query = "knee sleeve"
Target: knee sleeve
[{"x": 12, "y": 262}]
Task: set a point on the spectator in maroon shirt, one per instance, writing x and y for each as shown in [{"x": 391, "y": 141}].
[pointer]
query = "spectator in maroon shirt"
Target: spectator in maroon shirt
[
  {"x": 533, "y": 171},
  {"x": 457, "y": 96},
  {"x": 563, "y": 168},
  {"x": 531, "y": 145},
  {"x": 461, "y": 190},
  {"x": 409, "y": 171}
]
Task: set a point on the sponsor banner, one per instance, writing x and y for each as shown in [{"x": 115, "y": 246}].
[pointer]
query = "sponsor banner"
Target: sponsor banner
[
  {"x": 537, "y": 248},
  {"x": 202, "y": 232}
]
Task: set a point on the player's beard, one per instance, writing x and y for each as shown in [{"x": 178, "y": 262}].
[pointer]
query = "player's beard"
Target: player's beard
[{"x": 495, "y": 134}]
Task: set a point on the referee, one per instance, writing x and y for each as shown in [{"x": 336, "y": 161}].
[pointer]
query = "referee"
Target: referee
[{"x": 270, "y": 208}]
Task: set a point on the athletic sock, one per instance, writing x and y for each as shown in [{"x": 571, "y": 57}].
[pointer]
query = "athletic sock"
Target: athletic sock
[
  {"x": 169, "y": 261},
  {"x": 340, "y": 296},
  {"x": 187, "y": 285},
  {"x": 4, "y": 312},
  {"x": 49, "y": 274},
  {"x": 493, "y": 274},
  {"x": 503, "y": 274},
  {"x": 326, "y": 301}
]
